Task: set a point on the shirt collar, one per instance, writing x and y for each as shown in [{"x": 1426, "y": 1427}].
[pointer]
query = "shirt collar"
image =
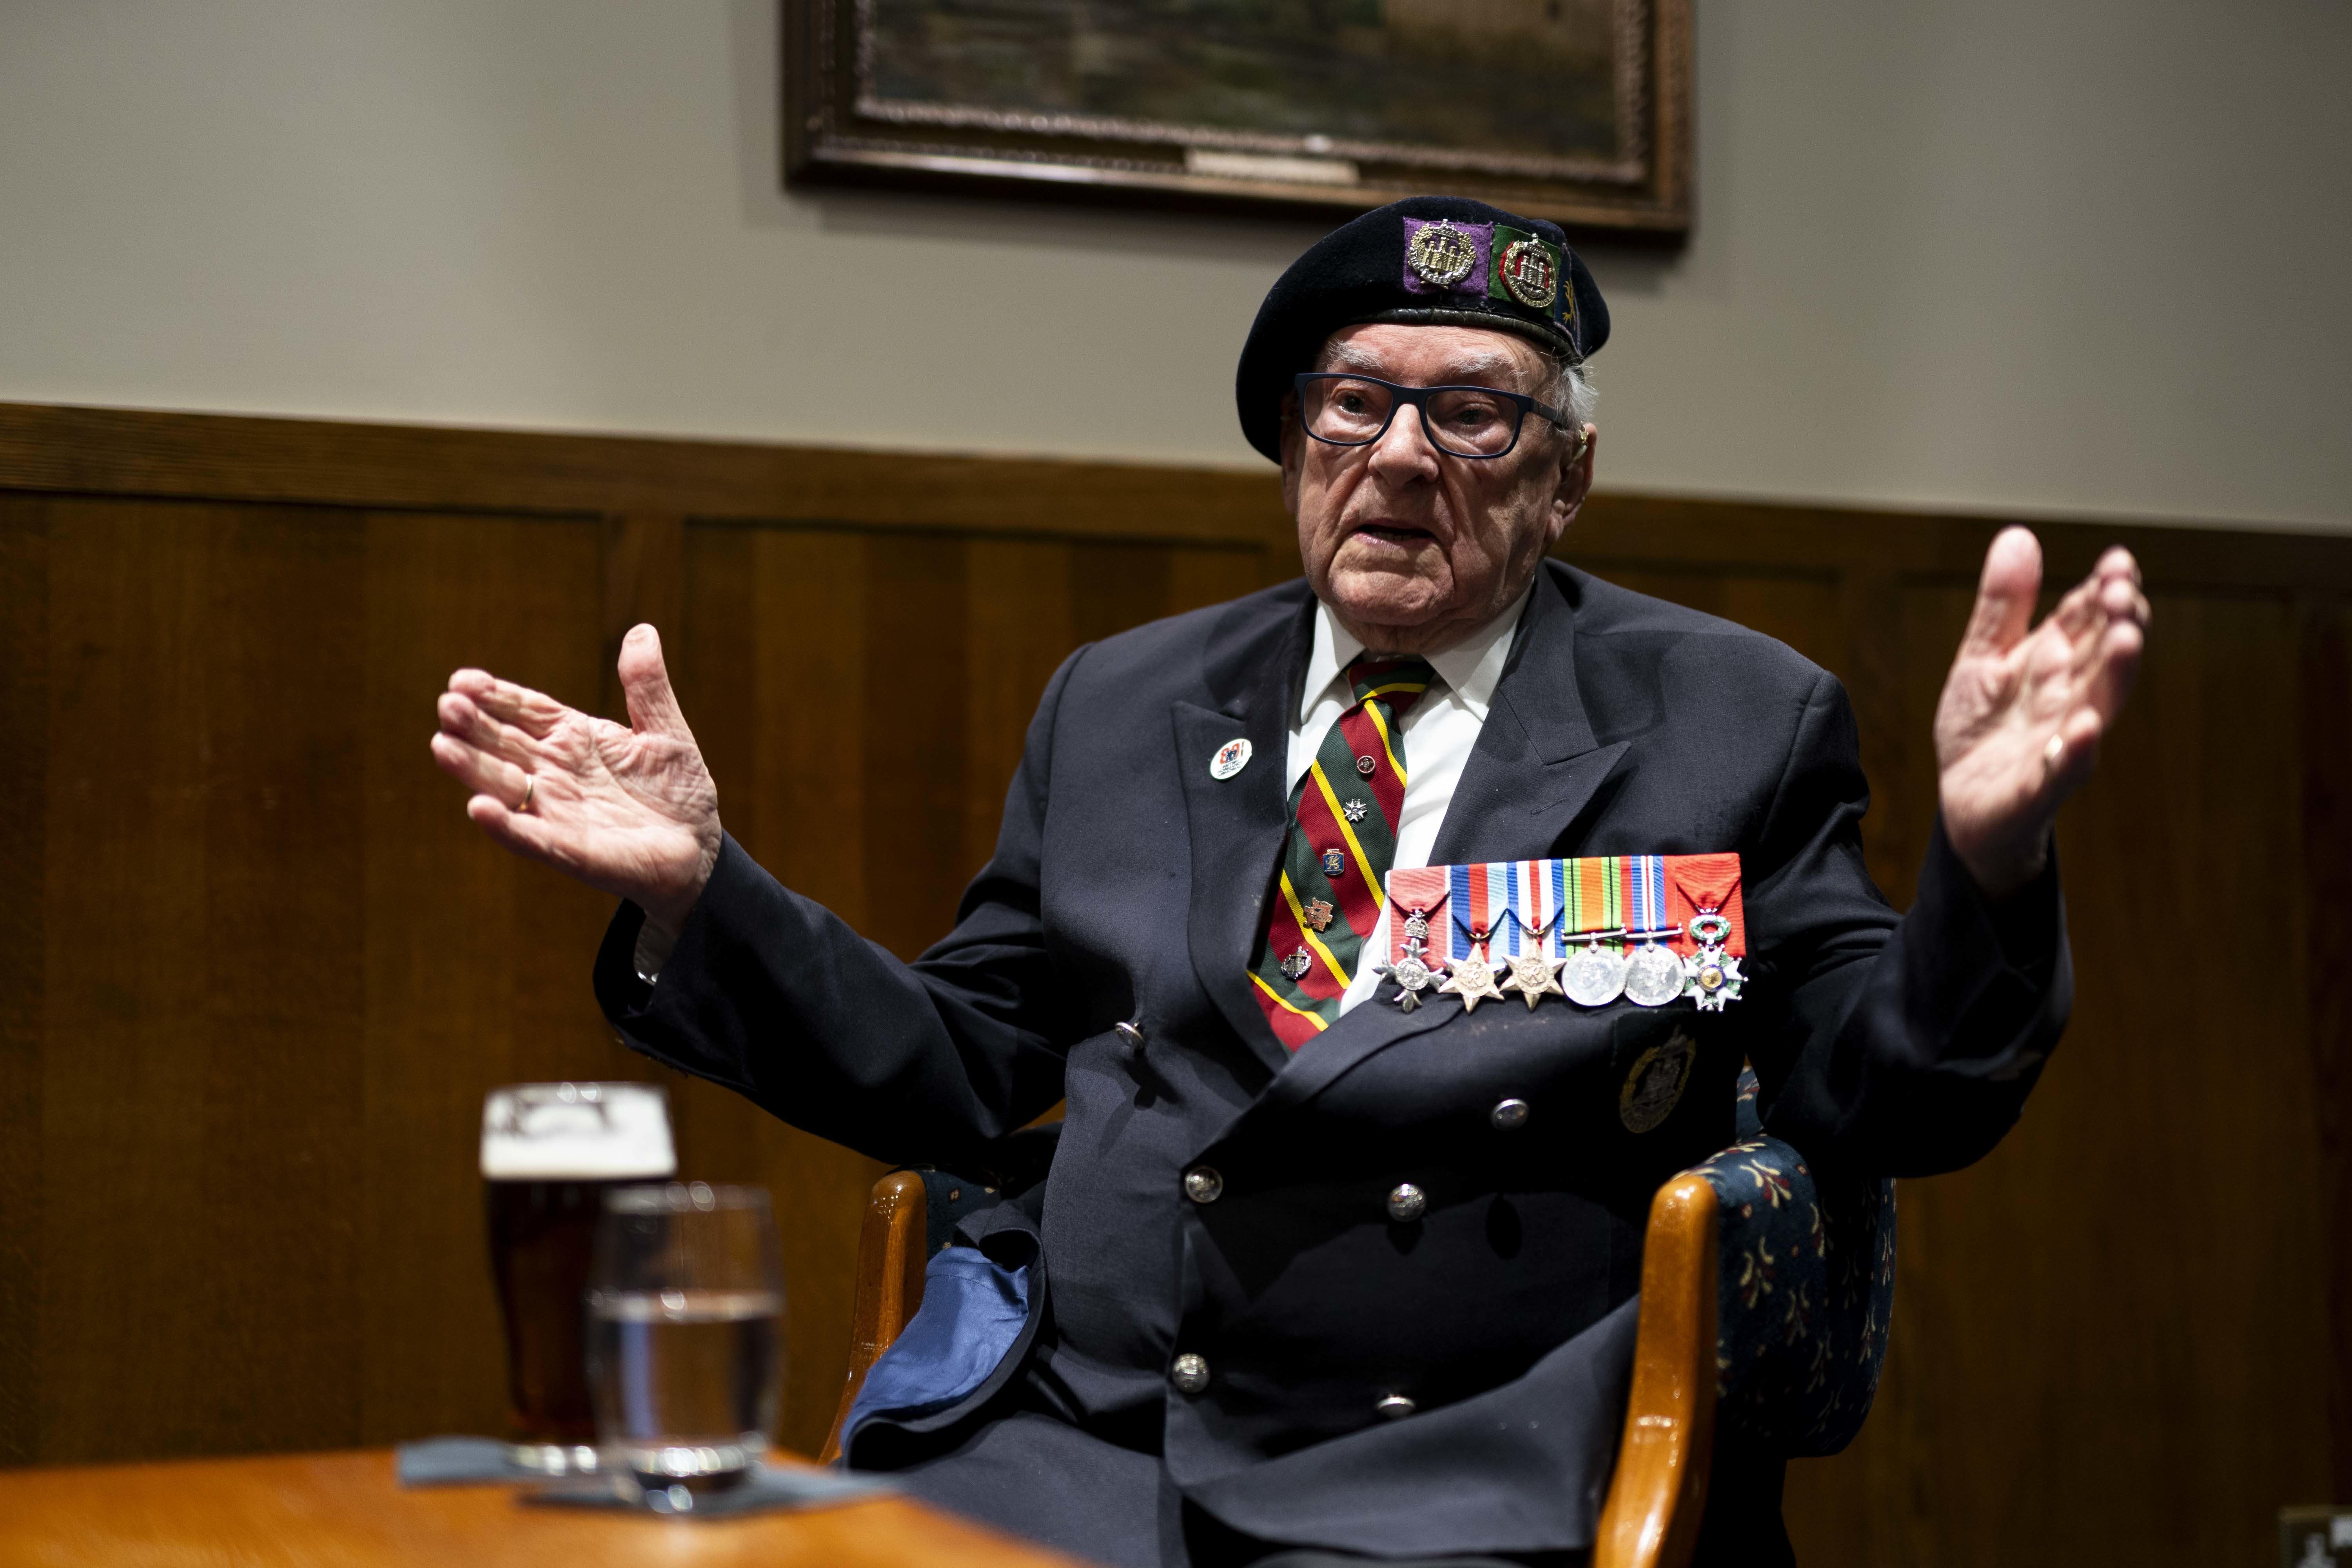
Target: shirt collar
[{"x": 1471, "y": 668}]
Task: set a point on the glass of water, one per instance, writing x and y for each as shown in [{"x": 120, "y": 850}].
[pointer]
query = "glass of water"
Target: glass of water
[{"x": 686, "y": 1305}]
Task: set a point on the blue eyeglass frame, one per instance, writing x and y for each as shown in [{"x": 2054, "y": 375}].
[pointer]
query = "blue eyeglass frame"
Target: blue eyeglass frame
[{"x": 1419, "y": 398}]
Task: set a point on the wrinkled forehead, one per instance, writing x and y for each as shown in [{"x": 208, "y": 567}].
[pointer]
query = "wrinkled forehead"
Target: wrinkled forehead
[{"x": 1416, "y": 355}]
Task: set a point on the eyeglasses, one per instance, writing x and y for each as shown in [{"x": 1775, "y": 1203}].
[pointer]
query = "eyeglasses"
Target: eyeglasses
[{"x": 1478, "y": 422}]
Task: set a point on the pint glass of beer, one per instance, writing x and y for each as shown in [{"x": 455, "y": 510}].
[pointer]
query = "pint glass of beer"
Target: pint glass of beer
[{"x": 549, "y": 1154}]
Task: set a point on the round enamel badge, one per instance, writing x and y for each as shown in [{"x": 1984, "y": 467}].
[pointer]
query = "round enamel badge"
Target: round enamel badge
[
  {"x": 1529, "y": 273},
  {"x": 1230, "y": 758}
]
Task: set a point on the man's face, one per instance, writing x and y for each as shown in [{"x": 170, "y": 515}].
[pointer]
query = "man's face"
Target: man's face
[{"x": 1413, "y": 549}]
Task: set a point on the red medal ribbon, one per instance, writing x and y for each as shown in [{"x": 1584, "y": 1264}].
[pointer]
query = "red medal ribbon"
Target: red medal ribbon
[
  {"x": 1706, "y": 884},
  {"x": 1421, "y": 888}
]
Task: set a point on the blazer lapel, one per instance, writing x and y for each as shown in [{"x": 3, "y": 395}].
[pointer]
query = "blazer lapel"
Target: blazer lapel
[{"x": 1238, "y": 824}]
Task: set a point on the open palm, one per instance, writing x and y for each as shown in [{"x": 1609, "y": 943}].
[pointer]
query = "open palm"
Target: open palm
[
  {"x": 629, "y": 808},
  {"x": 2018, "y": 727}
]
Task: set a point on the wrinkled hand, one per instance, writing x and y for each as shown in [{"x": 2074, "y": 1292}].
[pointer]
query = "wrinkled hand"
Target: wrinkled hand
[
  {"x": 2019, "y": 724},
  {"x": 626, "y": 808}
]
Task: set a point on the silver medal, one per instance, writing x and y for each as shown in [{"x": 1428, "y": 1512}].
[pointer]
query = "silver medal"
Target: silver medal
[
  {"x": 1411, "y": 972},
  {"x": 1654, "y": 976},
  {"x": 1594, "y": 976}
]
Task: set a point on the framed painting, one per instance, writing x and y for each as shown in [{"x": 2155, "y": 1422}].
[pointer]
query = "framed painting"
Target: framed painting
[{"x": 1577, "y": 111}]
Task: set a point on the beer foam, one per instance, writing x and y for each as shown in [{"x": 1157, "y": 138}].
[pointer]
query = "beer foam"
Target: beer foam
[{"x": 584, "y": 1131}]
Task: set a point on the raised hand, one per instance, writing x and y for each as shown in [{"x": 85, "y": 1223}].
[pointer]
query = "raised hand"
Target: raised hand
[
  {"x": 2019, "y": 724},
  {"x": 626, "y": 808}
]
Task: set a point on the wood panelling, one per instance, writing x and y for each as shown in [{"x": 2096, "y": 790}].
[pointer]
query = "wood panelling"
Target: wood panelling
[{"x": 256, "y": 969}]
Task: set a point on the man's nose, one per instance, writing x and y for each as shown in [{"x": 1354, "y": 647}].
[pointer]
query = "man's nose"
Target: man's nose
[{"x": 1403, "y": 448}]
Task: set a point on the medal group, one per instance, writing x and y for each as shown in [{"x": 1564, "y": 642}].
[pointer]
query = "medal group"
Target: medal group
[{"x": 1564, "y": 928}]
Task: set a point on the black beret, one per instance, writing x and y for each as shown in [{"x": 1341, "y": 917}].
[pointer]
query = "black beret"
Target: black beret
[{"x": 1441, "y": 260}]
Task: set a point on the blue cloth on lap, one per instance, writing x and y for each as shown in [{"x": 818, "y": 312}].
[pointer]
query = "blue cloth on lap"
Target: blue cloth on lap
[{"x": 972, "y": 1313}]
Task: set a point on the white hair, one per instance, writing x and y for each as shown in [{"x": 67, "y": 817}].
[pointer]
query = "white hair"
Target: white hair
[{"x": 1573, "y": 392}]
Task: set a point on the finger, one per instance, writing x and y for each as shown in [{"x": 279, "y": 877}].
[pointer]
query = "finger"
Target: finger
[
  {"x": 2117, "y": 562},
  {"x": 479, "y": 770},
  {"x": 533, "y": 712},
  {"x": 2122, "y": 600},
  {"x": 2118, "y": 670},
  {"x": 462, "y": 721},
  {"x": 644, "y": 683},
  {"x": 2083, "y": 610},
  {"x": 2005, "y": 594}
]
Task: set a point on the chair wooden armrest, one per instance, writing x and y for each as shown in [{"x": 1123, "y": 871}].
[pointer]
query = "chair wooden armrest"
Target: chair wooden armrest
[
  {"x": 1655, "y": 1498},
  {"x": 890, "y": 1259}
]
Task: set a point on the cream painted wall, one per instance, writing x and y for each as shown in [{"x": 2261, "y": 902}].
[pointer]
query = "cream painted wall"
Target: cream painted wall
[{"x": 1998, "y": 255}]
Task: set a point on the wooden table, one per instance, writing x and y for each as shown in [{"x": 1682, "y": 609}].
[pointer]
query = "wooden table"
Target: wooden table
[{"x": 344, "y": 1510}]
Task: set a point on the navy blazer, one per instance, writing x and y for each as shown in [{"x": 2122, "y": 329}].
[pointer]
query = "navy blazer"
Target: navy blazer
[{"x": 1127, "y": 884}]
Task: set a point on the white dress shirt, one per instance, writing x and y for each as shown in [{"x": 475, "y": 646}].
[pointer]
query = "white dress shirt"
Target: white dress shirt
[{"x": 1440, "y": 731}]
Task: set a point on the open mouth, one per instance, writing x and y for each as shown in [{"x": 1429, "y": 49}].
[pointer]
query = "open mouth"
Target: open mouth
[{"x": 1393, "y": 533}]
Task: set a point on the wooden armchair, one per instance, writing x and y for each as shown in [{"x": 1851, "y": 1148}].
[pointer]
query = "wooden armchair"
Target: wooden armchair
[{"x": 1651, "y": 1520}]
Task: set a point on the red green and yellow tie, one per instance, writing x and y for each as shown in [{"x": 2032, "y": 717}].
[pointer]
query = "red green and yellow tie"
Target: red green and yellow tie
[{"x": 1336, "y": 858}]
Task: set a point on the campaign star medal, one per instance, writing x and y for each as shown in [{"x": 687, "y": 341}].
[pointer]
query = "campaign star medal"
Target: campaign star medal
[
  {"x": 1441, "y": 255},
  {"x": 1411, "y": 972},
  {"x": 1319, "y": 913},
  {"x": 1533, "y": 977},
  {"x": 1713, "y": 973},
  {"x": 1529, "y": 271},
  {"x": 1473, "y": 978},
  {"x": 1532, "y": 974}
]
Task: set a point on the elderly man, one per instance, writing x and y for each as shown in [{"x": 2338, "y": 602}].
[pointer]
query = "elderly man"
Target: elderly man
[{"x": 1333, "y": 1262}]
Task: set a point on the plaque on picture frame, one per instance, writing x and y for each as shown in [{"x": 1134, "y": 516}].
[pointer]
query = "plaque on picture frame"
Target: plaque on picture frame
[{"x": 1577, "y": 111}]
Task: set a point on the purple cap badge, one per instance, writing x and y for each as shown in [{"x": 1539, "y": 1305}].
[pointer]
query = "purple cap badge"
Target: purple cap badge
[{"x": 1441, "y": 255}]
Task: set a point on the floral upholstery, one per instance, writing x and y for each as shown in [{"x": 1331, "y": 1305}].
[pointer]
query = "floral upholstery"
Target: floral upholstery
[{"x": 1806, "y": 1289}]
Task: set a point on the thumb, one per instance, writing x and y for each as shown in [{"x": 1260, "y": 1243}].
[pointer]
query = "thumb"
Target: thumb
[
  {"x": 2005, "y": 593},
  {"x": 644, "y": 683}
]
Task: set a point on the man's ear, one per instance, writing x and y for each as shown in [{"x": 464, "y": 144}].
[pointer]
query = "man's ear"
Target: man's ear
[
  {"x": 1293, "y": 454},
  {"x": 1575, "y": 482}
]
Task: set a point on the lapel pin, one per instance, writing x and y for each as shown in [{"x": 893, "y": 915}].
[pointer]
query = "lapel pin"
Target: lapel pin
[{"x": 1230, "y": 758}]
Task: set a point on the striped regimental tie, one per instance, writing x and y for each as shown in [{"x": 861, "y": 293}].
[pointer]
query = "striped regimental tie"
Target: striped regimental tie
[{"x": 1335, "y": 859}]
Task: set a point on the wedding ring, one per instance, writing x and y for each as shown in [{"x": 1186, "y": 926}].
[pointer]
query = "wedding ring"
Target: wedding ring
[{"x": 530, "y": 787}]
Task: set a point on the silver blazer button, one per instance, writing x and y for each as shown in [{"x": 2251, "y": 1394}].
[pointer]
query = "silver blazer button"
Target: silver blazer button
[
  {"x": 1394, "y": 1408},
  {"x": 1189, "y": 1373},
  {"x": 1203, "y": 1184},
  {"x": 1407, "y": 1203},
  {"x": 1130, "y": 1032},
  {"x": 1508, "y": 1115}
]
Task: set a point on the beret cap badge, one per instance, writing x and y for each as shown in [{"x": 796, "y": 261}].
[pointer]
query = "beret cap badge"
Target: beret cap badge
[
  {"x": 1528, "y": 271},
  {"x": 1441, "y": 254}
]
